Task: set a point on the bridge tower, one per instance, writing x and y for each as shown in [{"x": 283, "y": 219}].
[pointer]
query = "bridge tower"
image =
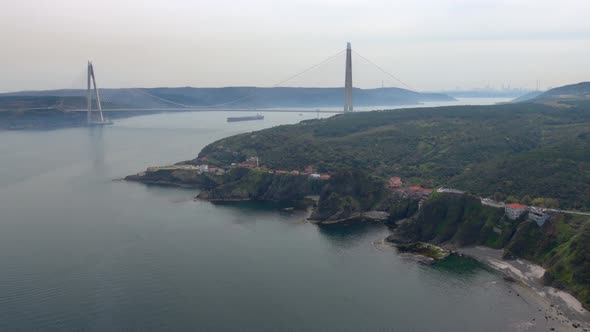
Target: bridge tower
[
  {"x": 91, "y": 82},
  {"x": 348, "y": 80}
]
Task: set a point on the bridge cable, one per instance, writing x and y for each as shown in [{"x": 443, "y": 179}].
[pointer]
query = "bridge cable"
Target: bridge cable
[
  {"x": 385, "y": 71},
  {"x": 308, "y": 69}
]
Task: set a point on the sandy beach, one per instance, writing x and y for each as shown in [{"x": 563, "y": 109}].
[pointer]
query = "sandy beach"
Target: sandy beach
[{"x": 560, "y": 310}]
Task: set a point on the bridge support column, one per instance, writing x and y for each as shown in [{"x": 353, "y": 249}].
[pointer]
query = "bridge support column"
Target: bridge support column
[
  {"x": 91, "y": 81},
  {"x": 348, "y": 81}
]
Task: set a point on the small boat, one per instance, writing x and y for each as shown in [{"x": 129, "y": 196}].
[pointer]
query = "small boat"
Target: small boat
[{"x": 245, "y": 118}]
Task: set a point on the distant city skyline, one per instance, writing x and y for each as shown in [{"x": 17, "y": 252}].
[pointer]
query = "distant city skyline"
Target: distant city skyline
[{"x": 432, "y": 45}]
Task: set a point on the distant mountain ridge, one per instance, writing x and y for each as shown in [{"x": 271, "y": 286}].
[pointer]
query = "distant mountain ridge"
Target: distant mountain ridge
[
  {"x": 575, "y": 91},
  {"x": 572, "y": 92},
  {"x": 243, "y": 97}
]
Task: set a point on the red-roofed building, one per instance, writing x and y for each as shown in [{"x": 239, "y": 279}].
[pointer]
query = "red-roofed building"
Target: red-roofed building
[
  {"x": 324, "y": 177},
  {"x": 309, "y": 169},
  {"x": 420, "y": 191},
  {"x": 514, "y": 210},
  {"x": 280, "y": 171},
  {"x": 295, "y": 172}
]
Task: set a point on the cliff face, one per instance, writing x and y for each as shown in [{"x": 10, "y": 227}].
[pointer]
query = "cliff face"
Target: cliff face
[
  {"x": 346, "y": 194},
  {"x": 568, "y": 265},
  {"x": 247, "y": 184},
  {"x": 456, "y": 219},
  {"x": 349, "y": 192},
  {"x": 561, "y": 245}
]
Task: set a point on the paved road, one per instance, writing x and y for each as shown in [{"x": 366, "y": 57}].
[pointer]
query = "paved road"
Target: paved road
[
  {"x": 489, "y": 202},
  {"x": 571, "y": 212}
]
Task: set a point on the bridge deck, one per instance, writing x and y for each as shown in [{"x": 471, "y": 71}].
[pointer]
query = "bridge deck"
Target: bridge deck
[{"x": 210, "y": 110}]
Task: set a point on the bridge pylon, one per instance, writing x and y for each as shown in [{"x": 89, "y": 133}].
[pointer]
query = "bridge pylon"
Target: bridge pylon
[
  {"x": 92, "y": 91},
  {"x": 348, "y": 80}
]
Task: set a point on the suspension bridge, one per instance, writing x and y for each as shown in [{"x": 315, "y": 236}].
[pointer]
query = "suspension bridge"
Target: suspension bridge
[{"x": 97, "y": 99}]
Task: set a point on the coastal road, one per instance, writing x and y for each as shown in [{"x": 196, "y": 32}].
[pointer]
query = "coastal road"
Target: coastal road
[
  {"x": 571, "y": 212},
  {"x": 489, "y": 202}
]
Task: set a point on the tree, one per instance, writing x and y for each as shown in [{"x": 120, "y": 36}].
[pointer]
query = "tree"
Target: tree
[
  {"x": 551, "y": 203},
  {"x": 545, "y": 202},
  {"x": 511, "y": 199},
  {"x": 499, "y": 197},
  {"x": 526, "y": 200}
]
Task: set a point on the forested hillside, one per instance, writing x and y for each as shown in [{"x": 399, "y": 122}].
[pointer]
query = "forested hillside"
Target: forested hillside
[{"x": 521, "y": 150}]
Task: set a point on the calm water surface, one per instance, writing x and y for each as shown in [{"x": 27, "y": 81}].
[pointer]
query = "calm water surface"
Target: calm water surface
[{"x": 79, "y": 251}]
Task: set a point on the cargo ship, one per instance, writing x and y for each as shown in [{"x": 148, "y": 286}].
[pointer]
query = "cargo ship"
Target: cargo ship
[{"x": 245, "y": 118}]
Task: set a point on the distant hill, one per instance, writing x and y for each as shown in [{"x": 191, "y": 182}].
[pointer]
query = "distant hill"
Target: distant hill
[
  {"x": 244, "y": 97},
  {"x": 566, "y": 93},
  {"x": 16, "y": 102},
  {"x": 527, "y": 96},
  {"x": 486, "y": 93}
]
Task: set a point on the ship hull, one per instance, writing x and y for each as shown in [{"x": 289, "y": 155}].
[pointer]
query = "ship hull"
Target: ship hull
[{"x": 245, "y": 118}]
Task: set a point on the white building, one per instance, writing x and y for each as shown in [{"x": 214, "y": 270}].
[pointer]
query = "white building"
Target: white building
[
  {"x": 203, "y": 168},
  {"x": 514, "y": 210},
  {"x": 538, "y": 215}
]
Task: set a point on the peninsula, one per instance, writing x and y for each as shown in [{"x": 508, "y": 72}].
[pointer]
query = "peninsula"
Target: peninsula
[{"x": 520, "y": 171}]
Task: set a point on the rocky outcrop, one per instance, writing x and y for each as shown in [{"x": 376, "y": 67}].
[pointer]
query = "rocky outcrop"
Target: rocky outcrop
[{"x": 176, "y": 177}]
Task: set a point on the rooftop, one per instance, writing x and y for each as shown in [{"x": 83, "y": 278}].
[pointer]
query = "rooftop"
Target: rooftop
[{"x": 516, "y": 206}]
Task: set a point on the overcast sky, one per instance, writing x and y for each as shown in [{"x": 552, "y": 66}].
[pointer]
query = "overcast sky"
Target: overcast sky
[{"x": 429, "y": 44}]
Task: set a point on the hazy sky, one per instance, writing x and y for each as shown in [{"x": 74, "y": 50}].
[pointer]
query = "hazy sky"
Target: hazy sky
[{"x": 429, "y": 44}]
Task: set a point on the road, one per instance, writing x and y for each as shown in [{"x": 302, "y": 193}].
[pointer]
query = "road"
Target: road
[{"x": 489, "y": 202}]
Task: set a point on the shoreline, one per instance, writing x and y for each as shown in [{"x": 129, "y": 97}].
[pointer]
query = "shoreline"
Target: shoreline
[
  {"x": 559, "y": 306},
  {"x": 368, "y": 216},
  {"x": 557, "y": 310}
]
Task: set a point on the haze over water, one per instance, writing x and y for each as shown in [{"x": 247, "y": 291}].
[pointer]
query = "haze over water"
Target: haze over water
[{"x": 80, "y": 251}]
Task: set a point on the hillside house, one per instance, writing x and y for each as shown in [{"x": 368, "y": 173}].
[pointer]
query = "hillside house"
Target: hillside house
[
  {"x": 538, "y": 215},
  {"x": 514, "y": 210}
]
